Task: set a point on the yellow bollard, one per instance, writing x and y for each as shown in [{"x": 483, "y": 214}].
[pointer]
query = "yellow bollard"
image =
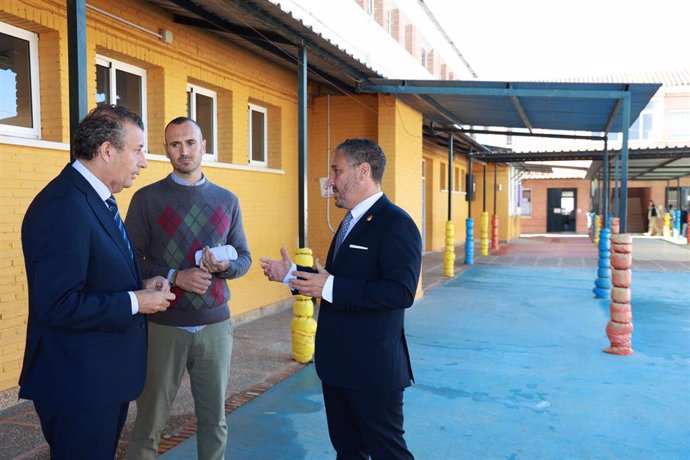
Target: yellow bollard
[
  {"x": 484, "y": 242},
  {"x": 303, "y": 324},
  {"x": 597, "y": 228},
  {"x": 667, "y": 224},
  {"x": 449, "y": 254}
]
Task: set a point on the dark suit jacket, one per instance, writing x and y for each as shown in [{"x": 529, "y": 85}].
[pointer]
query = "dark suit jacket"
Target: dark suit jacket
[
  {"x": 84, "y": 348},
  {"x": 360, "y": 339}
]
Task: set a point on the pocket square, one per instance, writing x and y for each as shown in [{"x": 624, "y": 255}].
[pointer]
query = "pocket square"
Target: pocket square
[{"x": 354, "y": 246}]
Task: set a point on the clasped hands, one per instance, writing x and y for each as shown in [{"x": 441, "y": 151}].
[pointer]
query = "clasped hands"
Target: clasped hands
[
  {"x": 198, "y": 280},
  {"x": 156, "y": 295},
  {"x": 307, "y": 283}
]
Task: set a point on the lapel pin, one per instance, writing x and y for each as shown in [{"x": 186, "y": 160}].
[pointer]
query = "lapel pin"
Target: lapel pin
[{"x": 369, "y": 217}]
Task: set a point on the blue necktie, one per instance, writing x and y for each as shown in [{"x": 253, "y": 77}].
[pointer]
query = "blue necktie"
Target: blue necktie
[
  {"x": 342, "y": 233},
  {"x": 112, "y": 207}
]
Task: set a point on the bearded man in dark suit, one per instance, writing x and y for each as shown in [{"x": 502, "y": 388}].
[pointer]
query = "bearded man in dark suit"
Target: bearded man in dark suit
[{"x": 370, "y": 278}]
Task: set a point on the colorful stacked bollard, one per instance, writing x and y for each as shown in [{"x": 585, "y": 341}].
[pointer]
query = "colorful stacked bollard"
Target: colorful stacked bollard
[
  {"x": 303, "y": 323},
  {"x": 449, "y": 255},
  {"x": 469, "y": 241},
  {"x": 597, "y": 228},
  {"x": 494, "y": 231},
  {"x": 667, "y": 225},
  {"x": 602, "y": 285},
  {"x": 484, "y": 241},
  {"x": 619, "y": 328}
]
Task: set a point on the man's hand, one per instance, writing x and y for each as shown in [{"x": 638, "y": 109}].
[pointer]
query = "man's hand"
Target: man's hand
[
  {"x": 277, "y": 269},
  {"x": 157, "y": 283},
  {"x": 193, "y": 280},
  {"x": 310, "y": 284},
  {"x": 209, "y": 262},
  {"x": 153, "y": 301}
]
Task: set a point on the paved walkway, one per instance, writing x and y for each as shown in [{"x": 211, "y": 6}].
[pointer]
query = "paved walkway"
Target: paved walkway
[{"x": 508, "y": 364}]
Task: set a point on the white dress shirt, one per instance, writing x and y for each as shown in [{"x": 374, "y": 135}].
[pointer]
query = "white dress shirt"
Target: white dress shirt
[{"x": 104, "y": 193}]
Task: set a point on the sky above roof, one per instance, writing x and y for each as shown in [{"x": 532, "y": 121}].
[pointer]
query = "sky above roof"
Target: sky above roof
[{"x": 533, "y": 39}]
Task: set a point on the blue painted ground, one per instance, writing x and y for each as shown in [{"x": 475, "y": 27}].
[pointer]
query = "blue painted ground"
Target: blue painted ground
[{"x": 509, "y": 365}]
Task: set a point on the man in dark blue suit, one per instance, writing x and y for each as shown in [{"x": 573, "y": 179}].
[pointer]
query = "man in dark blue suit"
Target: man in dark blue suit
[
  {"x": 85, "y": 356},
  {"x": 370, "y": 278}
]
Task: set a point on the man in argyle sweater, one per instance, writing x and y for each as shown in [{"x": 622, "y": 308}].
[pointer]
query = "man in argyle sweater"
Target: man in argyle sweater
[{"x": 168, "y": 222}]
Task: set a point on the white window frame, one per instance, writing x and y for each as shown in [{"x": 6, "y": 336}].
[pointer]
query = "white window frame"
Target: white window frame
[
  {"x": 264, "y": 110},
  {"x": 19, "y": 131},
  {"x": 675, "y": 122},
  {"x": 523, "y": 211},
  {"x": 650, "y": 112},
  {"x": 114, "y": 65},
  {"x": 195, "y": 89}
]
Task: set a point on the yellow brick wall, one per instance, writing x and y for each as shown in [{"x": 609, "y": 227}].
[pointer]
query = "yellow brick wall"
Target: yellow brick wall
[
  {"x": 331, "y": 120},
  {"x": 268, "y": 197},
  {"x": 505, "y": 224},
  {"x": 437, "y": 198},
  {"x": 400, "y": 137}
]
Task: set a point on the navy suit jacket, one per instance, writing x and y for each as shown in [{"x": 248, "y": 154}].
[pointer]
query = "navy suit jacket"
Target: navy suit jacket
[
  {"x": 360, "y": 339},
  {"x": 84, "y": 348}
]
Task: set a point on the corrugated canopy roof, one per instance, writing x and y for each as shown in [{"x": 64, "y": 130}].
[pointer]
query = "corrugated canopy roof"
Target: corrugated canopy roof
[
  {"x": 591, "y": 107},
  {"x": 263, "y": 28}
]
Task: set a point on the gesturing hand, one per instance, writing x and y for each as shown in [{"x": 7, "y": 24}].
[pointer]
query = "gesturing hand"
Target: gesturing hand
[
  {"x": 310, "y": 284},
  {"x": 276, "y": 269}
]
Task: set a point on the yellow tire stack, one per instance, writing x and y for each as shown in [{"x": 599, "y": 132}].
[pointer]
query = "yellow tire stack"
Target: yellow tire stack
[
  {"x": 449, "y": 255},
  {"x": 484, "y": 242},
  {"x": 303, "y": 322}
]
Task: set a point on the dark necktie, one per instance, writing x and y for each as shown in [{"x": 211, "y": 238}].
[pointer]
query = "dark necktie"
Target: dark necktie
[
  {"x": 340, "y": 237},
  {"x": 112, "y": 207}
]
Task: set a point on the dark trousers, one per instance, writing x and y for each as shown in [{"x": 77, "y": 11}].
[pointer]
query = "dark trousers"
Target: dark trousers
[
  {"x": 366, "y": 424},
  {"x": 82, "y": 434}
]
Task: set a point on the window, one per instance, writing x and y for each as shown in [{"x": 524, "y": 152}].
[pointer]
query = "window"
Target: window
[
  {"x": 642, "y": 128},
  {"x": 258, "y": 135},
  {"x": 425, "y": 58},
  {"x": 202, "y": 106},
  {"x": 371, "y": 7},
  {"x": 389, "y": 21},
  {"x": 678, "y": 125},
  {"x": 443, "y": 175},
  {"x": 526, "y": 202},
  {"x": 121, "y": 84},
  {"x": 19, "y": 103}
]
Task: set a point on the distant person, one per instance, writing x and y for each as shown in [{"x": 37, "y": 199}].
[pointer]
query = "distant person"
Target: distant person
[
  {"x": 85, "y": 356},
  {"x": 371, "y": 276},
  {"x": 170, "y": 221},
  {"x": 653, "y": 214},
  {"x": 684, "y": 222}
]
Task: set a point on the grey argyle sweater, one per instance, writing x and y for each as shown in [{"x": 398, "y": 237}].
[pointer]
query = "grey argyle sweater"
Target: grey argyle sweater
[{"x": 167, "y": 223}]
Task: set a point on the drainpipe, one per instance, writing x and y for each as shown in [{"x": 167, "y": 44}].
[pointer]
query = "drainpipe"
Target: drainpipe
[
  {"x": 607, "y": 186},
  {"x": 77, "y": 65},
  {"x": 469, "y": 223},
  {"x": 449, "y": 255},
  {"x": 302, "y": 145},
  {"x": 494, "y": 218}
]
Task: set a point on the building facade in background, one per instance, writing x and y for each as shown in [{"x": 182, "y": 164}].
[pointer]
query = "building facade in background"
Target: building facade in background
[{"x": 144, "y": 57}]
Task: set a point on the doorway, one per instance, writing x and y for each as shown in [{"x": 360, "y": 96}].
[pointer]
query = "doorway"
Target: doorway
[{"x": 561, "y": 208}]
